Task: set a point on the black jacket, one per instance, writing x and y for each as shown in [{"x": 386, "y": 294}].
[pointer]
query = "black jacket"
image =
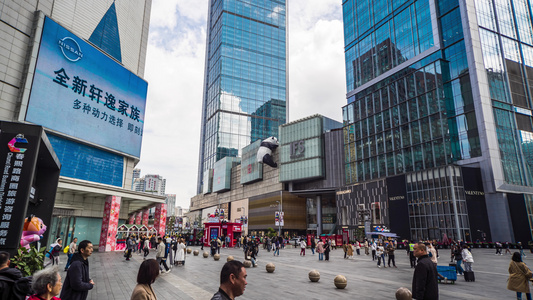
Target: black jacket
[
  {"x": 425, "y": 286},
  {"x": 220, "y": 295},
  {"x": 77, "y": 286},
  {"x": 13, "y": 285}
]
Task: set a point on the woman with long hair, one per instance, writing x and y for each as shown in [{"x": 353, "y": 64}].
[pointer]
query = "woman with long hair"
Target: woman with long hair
[
  {"x": 519, "y": 276},
  {"x": 148, "y": 272}
]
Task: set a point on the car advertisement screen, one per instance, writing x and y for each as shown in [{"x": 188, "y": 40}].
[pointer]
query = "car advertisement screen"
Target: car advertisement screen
[{"x": 79, "y": 91}]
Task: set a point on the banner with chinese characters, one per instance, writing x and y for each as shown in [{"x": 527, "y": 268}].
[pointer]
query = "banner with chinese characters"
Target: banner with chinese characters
[
  {"x": 17, "y": 154},
  {"x": 74, "y": 83},
  {"x": 160, "y": 218}
]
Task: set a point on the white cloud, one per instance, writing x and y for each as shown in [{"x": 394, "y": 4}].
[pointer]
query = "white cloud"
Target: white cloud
[{"x": 175, "y": 70}]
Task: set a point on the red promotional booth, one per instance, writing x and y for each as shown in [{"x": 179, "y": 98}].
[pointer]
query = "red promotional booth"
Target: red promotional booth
[{"x": 214, "y": 230}]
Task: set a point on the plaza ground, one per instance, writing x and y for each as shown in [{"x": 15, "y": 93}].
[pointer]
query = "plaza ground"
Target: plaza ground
[{"x": 115, "y": 278}]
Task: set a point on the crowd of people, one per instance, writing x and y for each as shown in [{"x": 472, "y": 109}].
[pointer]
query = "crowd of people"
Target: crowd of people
[{"x": 170, "y": 251}]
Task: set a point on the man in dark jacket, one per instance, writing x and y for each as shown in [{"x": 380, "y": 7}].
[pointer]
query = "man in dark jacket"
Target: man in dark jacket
[
  {"x": 425, "y": 284},
  {"x": 232, "y": 281},
  {"x": 78, "y": 283},
  {"x": 12, "y": 284}
]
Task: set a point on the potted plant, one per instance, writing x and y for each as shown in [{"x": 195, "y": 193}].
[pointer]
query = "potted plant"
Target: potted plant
[{"x": 28, "y": 261}]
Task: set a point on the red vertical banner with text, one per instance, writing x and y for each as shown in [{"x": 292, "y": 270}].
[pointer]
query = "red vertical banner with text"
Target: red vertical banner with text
[
  {"x": 160, "y": 218},
  {"x": 138, "y": 218},
  {"x": 108, "y": 239},
  {"x": 145, "y": 214}
]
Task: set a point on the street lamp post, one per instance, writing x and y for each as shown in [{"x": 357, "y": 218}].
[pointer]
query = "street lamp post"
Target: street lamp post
[
  {"x": 279, "y": 218},
  {"x": 243, "y": 216}
]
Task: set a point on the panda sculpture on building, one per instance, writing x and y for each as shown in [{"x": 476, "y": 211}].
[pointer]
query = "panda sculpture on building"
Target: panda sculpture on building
[{"x": 264, "y": 153}]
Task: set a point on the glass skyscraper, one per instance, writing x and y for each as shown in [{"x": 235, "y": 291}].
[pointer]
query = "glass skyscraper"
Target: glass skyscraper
[
  {"x": 435, "y": 89},
  {"x": 245, "y": 83}
]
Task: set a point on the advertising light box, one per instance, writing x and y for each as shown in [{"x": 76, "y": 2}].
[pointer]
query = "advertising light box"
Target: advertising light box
[{"x": 81, "y": 92}]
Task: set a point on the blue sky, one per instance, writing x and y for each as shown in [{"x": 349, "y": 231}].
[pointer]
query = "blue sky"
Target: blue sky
[{"x": 175, "y": 68}]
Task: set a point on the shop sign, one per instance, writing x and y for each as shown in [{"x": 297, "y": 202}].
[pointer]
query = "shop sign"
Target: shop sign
[{"x": 297, "y": 149}]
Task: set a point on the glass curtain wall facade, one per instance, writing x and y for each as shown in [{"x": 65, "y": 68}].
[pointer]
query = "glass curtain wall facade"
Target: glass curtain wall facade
[
  {"x": 421, "y": 116},
  {"x": 506, "y": 33},
  {"x": 437, "y": 204},
  {"x": 245, "y": 83}
]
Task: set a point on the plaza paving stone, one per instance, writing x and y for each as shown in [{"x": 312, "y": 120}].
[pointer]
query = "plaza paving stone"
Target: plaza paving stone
[{"x": 115, "y": 278}]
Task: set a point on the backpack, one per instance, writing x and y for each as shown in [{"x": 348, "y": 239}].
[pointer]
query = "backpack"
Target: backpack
[
  {"x": 174, "y": 246},
  {"x": 15, "y": 290}
]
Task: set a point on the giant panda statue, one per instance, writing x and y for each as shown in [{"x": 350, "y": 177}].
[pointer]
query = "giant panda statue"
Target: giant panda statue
[{"x": 264, "y": 153}]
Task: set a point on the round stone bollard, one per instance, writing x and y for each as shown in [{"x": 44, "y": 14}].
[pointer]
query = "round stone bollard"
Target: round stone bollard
[
  {"x": 196, "y": 252},
  {"x": 270, "y": 267},
  {"x": 206, "y": 254},
  {"x": 189, "y": 250},
  {"x": 340, "y": 281},
  {"x": 314, "y": 276},
  {"x": 247, "y": 263},
  {"x": 230, "y": 258},
  {"x": 216, "y": 256}
]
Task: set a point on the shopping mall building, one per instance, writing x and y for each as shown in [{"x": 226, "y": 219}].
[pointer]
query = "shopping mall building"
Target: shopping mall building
[{"x": 76, "y": 68}]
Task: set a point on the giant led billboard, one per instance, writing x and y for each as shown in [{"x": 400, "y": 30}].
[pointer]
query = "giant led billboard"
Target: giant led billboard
[{"x": 79, "y": 91}]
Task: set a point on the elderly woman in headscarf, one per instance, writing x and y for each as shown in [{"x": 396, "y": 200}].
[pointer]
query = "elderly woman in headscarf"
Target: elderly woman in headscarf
[{"x": 46, "y": 284}]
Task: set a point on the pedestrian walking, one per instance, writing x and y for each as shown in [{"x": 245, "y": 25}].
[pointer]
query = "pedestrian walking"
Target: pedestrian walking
[
  {"x": 521, "y": 248},
  {"x": 390, "y": 251},
  {"x": 519, "y": 276},
  {"x": 507, "y": 246},
  {"x": 146, "y": 248},
  {"x": 349, "y": 250},
  {"x": 366, "y": 248},
  {"x": 457, "y": 252},
  {"x": 148, "y": 272},
  {"x": 303, "y": 245},
  {"x": 313, "y": 245},
  {"x": 327, "y": 249},
  {"x": 180, "y": 252},
  {"x": 468, "y": 258},
  {"x": 380, "y": 254},
  {"x": 130, "y": 244},
  {"x": 71, "y": 250},
  {"x": 411, "y": 253},
  {"x": 498, "y": 248},
  {"x": 425, "y": 284},
  {"x": 160, "y": 255},
  {"x": 373, "y": 246},
  {"x": 358, "y": 247},
  {"x": 345, "y": 249},
  {"x": 55, "y": 248},
  {"x": 320, "y": 250},
  {"x": 78, "y": 282}
]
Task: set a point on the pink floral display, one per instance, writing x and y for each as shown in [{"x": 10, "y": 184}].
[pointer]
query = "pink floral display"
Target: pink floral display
[
  {"x": 109, "y": 224},
  {"x": 132, "y": 218},
  {"x": 145, "y": 217},
  {"x": 160, "y": 218}
]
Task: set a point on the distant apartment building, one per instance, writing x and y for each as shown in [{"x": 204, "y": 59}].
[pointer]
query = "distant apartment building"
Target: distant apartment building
[{"x": 171, "y": 204}]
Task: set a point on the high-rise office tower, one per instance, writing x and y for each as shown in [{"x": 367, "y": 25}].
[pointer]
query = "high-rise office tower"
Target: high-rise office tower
[
  {"x": 245, "y": 83},
  {"x": 439, "y": 116}
]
